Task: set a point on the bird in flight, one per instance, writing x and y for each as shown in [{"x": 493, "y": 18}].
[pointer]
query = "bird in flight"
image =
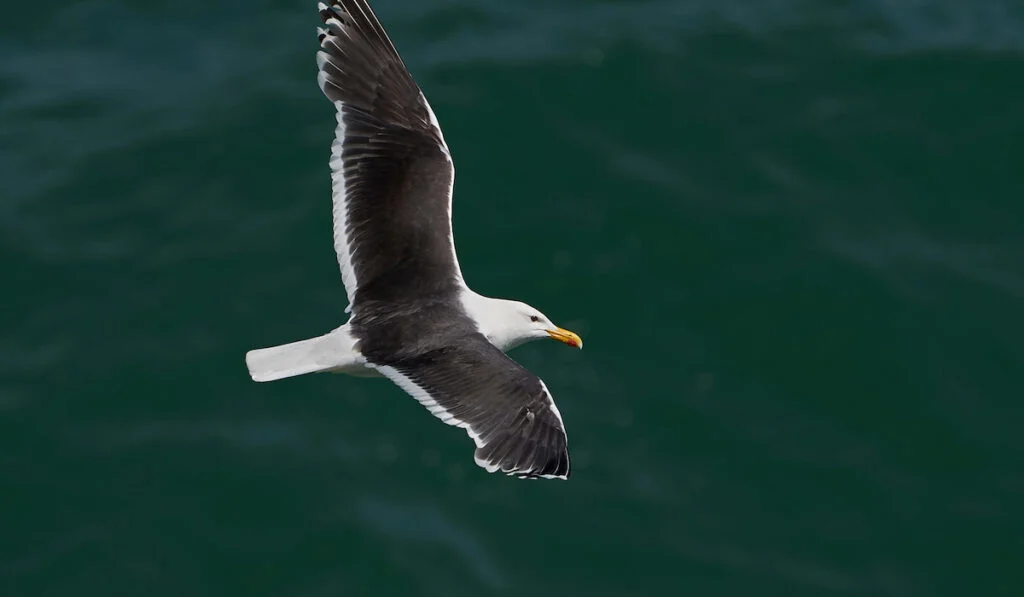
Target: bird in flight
[{"x": 413, "y": 319}]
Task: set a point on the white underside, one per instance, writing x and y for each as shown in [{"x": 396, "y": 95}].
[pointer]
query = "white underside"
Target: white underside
[{"x": 334, "y": 352}]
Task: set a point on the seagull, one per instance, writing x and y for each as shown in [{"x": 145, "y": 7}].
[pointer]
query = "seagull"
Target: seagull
[{"x": 413, "y": 319}]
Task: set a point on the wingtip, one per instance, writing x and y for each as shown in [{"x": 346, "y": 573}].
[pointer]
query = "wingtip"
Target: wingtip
[{"x": 557, "y": 468}]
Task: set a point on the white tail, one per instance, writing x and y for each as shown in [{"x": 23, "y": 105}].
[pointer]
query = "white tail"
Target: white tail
[{"x": 330, "y": 352}]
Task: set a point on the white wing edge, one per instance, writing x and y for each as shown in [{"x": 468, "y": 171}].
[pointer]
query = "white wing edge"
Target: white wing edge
[{"x": 339, "y": 194}]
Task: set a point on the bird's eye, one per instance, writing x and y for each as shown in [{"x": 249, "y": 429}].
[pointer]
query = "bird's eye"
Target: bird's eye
[{"x": 534, "y": 318}]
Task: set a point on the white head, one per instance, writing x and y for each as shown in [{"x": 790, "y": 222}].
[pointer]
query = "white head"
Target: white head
[{"x": 508, "y": 324}]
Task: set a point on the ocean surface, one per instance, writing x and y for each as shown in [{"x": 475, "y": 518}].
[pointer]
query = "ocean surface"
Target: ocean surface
[{"x": 790, "y": 232}]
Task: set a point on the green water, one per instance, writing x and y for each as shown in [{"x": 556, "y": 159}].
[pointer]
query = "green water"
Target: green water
[{"x": 789, "y": 232}]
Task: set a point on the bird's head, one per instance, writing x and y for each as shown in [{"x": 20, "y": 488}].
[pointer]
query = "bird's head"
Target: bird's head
[
  {"x": 537, "y": 325},
  {"x": 508, "y": 324}
]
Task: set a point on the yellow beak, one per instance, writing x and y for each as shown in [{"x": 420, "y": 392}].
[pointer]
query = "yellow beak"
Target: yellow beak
[{"x": 566, "y": 336}]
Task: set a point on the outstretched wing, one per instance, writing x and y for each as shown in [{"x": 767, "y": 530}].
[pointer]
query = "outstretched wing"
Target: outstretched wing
[
  {"x": 505, "y": 409},
  {"x": 392, "y": 174}
]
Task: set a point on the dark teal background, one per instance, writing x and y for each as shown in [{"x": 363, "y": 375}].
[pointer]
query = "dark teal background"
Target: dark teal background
[{"x": 790, "y": 232}]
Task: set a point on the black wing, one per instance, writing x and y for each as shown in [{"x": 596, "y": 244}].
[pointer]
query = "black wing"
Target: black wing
[
  {"x": 507, "y": 410},
  {"x": 391, "y": 170}
]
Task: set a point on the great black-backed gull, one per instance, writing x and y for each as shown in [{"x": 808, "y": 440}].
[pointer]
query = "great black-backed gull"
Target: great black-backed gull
[{"x": 413, "y": 319}]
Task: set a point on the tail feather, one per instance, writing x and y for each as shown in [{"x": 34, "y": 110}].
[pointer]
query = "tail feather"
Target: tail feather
[{"x": 329, "y": 352}]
